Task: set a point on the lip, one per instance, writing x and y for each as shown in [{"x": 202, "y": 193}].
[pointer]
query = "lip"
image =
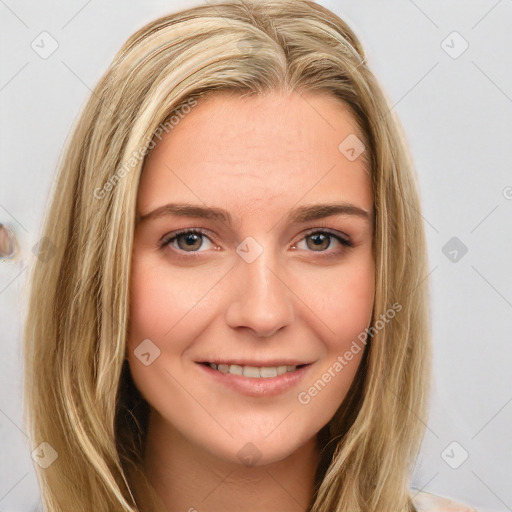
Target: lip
[
  {"x": 258, "y": 387},
  {"x": 253, "y": 362}
]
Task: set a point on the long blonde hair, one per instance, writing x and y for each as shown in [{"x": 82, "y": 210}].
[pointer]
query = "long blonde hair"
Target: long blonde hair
[{"x": 79, "y": 396}]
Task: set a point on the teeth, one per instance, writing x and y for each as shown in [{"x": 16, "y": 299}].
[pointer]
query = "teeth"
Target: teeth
[
  {"x": 270, "y": 371},
  {"x": 253, "y": 372},
  {"x": 234, "y": 369}
]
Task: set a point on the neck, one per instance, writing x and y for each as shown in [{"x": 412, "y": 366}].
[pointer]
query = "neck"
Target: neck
[{"x": 188, "y": 478}]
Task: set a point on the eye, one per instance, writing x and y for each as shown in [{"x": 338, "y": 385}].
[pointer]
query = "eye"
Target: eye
[
  {"x": 186, "y": 240},
  {"x": 320, "y": 241},
  {"x": 191, "y": 240}
]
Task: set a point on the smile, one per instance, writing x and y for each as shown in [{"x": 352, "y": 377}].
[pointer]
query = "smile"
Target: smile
[
  {"x": 255, "y": 380},
  {"x": 254, "y": 372}
]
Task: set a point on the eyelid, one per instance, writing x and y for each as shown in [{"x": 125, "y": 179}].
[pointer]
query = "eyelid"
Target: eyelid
[{"x": 335, "y": 233}]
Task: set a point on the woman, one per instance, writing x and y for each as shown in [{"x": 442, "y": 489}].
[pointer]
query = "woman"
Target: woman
[{"x": 235, "y": 316}]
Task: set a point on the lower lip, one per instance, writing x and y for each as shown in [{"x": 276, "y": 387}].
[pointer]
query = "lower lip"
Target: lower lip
[{"x": 259, "y": 387}]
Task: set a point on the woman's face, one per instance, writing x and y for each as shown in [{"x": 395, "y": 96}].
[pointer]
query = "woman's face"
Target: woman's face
[{"x": 273, "y": 270}]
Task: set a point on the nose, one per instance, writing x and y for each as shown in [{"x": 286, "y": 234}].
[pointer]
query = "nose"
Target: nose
[{"x": 260, "y": 299}]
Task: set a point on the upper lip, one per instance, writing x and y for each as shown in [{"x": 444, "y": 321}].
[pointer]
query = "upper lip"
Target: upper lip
[{"x": 248, "y": 362}]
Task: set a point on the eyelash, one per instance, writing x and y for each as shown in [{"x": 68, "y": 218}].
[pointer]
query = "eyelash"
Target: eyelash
[{"x": 171, "y": 237}]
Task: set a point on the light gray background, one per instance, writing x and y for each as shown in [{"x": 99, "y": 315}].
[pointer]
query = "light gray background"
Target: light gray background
[{"x": 457, "y": 113}]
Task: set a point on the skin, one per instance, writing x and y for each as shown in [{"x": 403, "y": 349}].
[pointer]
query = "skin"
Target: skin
[{"x": 258, "y": 158}]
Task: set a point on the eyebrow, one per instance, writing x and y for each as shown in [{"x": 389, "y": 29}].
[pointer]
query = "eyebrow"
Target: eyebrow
[{"x": 300, "y": 214}]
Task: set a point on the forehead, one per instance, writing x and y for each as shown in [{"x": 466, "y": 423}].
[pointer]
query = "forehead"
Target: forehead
[{"x": 272, "y": 149}]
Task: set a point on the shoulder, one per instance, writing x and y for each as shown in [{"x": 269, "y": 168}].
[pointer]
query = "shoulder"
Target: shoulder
[{"x": 427, "y": 502}]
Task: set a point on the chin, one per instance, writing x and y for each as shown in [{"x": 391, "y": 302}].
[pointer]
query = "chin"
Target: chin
[{"x": 259, "y": 449}]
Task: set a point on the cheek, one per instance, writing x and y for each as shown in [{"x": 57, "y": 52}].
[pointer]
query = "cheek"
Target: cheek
[
  {"x": 151, "y": 313},
  {"x": 351, "y": 315},
  {"x": 344, "y": 300},
  {"x": 168, "y": 308},
  {"x": 161, "y": 307},
  {"x": 161, "y": 302},
  {"x": 351, "y": 308},
  {"x": 345, "y": 306}
]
